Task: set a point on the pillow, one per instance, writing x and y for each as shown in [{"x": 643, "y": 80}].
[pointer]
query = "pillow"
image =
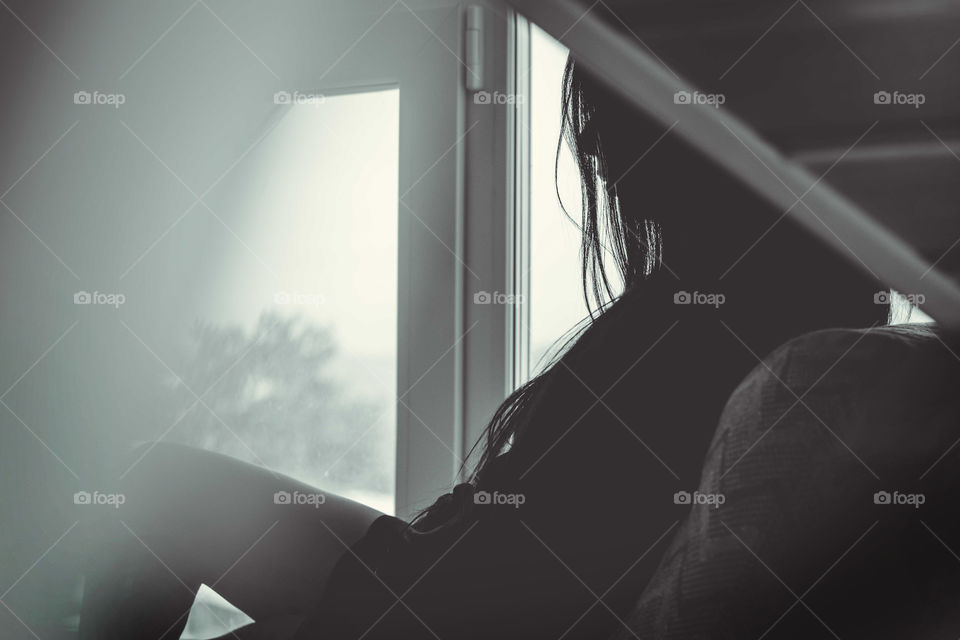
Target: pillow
[{"x": 835, "y": 457}]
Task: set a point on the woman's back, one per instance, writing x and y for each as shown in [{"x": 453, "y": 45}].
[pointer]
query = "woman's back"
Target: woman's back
[{"x": 558, "y": 535}]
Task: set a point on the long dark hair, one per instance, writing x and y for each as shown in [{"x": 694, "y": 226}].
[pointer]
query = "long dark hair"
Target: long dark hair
[{"x": 632, "y": 247}]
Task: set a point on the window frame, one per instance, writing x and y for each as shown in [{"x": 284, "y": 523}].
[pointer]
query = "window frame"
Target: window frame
[
  {"x": 497, "y": 229},
  {"x": 457, "y": 358},
  {"x": 416, "y": 54}
]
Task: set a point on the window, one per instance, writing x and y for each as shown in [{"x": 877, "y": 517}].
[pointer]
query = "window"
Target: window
[
  {"x": 556, "y": 298},
  {"x": 305, "y": 324}
]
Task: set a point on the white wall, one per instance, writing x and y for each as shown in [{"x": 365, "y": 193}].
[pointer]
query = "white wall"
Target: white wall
[{"x": 100, "y": 212}]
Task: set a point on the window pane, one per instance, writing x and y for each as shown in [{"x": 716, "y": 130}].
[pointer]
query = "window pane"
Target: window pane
[
  {"x": 305, "y": 316},
  {"x": 556, "y": 298}
]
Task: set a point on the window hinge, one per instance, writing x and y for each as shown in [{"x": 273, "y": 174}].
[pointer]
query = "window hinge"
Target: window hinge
[{"x": 473, "y": 42}]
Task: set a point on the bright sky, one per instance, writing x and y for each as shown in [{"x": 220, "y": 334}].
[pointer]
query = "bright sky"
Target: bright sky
[
  {"x": 321, "y": 222},
  {"x": 556, "y": 299}
]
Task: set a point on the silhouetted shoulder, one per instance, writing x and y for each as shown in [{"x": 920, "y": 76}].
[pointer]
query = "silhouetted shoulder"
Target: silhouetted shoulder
[
  {"x": 859, "y": 390},
  {"x": 832, "y": 354},
  {"x": 804, "y": 444}
]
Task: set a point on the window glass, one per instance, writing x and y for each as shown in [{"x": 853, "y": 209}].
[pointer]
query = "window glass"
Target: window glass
[
  {"x": 556, "y": 297},
  {"x": 299, "y": 340}
]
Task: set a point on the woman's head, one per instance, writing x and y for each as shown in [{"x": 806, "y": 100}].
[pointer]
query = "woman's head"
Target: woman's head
[{"x": 655, "y": 207}]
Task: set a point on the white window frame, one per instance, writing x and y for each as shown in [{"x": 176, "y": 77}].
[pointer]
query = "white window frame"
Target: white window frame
[
  {"x": 468, "y": 163},
  {"x": 421, "y": 56},
  {"x": 497, "y": 227}
]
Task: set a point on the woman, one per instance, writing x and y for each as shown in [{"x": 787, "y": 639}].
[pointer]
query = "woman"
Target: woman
[
  {"x": 558, "y": 531},
  {"x": 573, "y": 500}
]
